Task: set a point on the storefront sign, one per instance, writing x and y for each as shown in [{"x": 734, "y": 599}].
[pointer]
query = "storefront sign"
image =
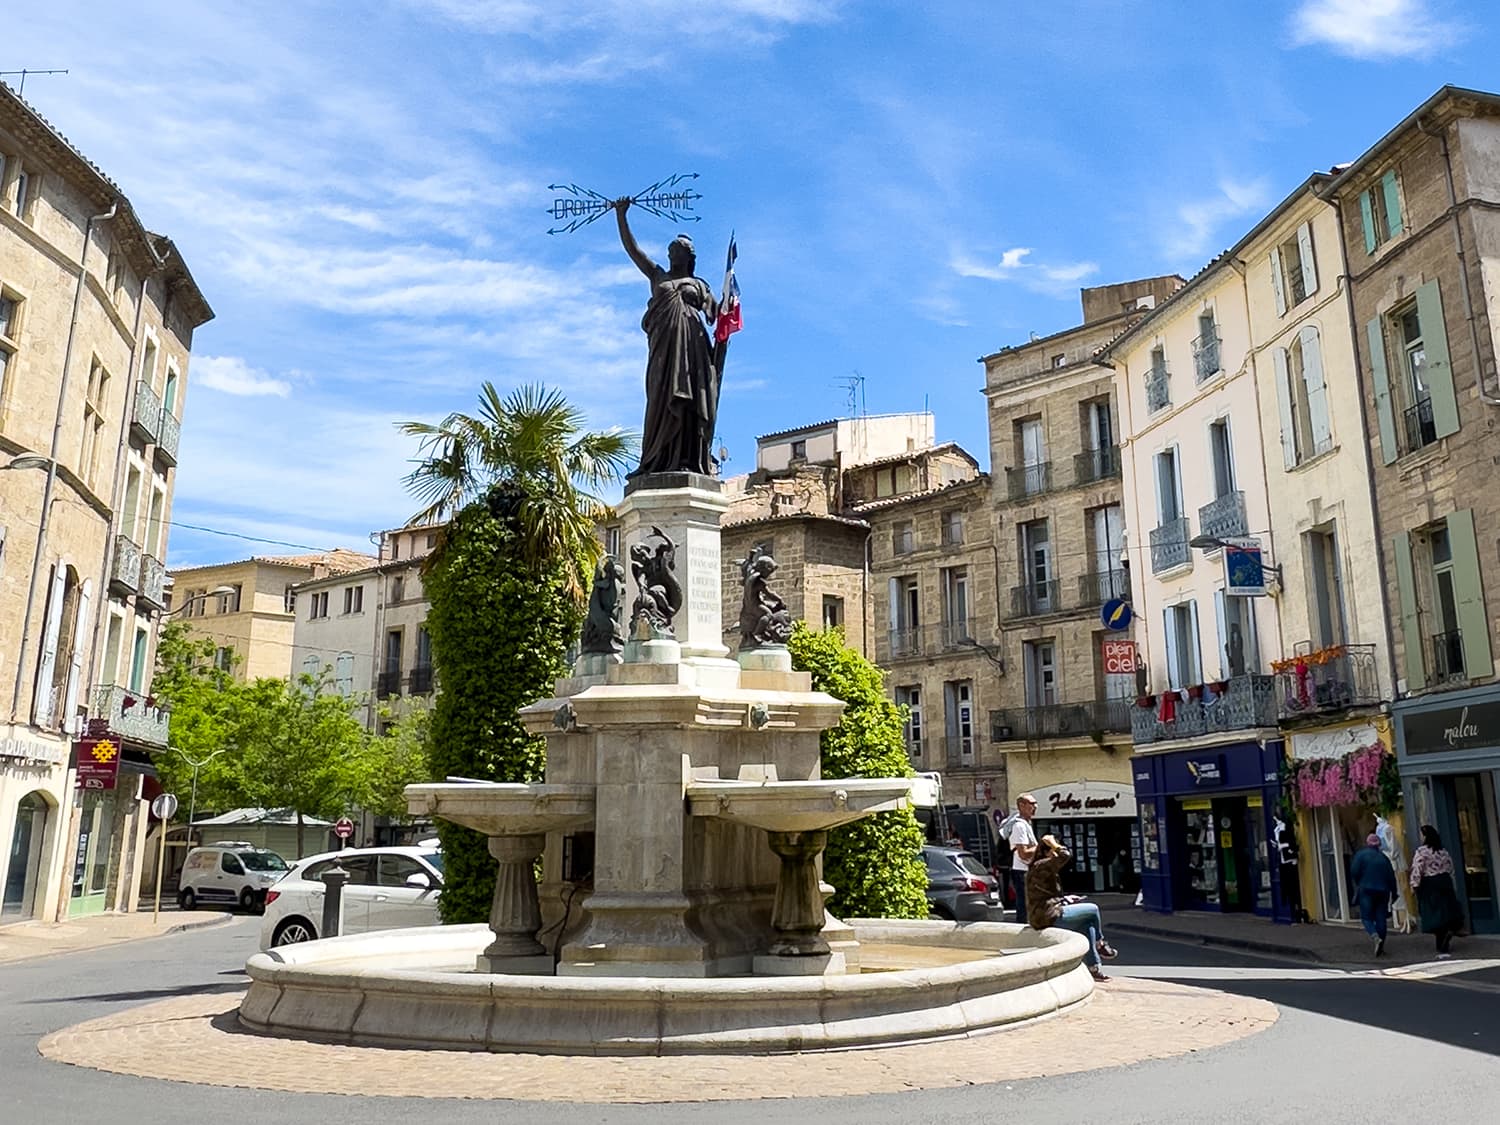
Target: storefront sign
[
  {"x": 27, "y": 750},
  {"x": 1119, "y": 658},
  {"x": 98, "y": 763},
  {"x": 1084, "y": 799},
  {"x": 1206, "y": 771},
  {"x": 1332, "y": 743},
  {"x": 1444, "y": 730},
  {"x": 1244, "y": 575}
]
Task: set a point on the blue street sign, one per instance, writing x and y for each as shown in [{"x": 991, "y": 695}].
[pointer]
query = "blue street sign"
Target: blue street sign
[
  {"x": 1116, "y": 615},
  {"x": 1244, "y": 570}
]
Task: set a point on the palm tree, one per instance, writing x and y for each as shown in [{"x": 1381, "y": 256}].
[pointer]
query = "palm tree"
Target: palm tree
[{"x": 529, "y": 455}]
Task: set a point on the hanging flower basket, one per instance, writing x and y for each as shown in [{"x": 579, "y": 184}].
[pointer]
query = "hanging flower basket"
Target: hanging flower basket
[{"x": 1367, "y": 776}]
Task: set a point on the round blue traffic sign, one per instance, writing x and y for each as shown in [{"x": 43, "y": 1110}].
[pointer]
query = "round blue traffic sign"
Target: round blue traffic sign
[{"x": 1116, "y": 615}]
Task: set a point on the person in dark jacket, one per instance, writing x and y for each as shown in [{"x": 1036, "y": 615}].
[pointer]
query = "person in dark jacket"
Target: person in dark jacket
[
  {"x": 1437, "y": 901},
  {"x": 1046, "y": 905},
  {"x": 1374, "y": 881}
]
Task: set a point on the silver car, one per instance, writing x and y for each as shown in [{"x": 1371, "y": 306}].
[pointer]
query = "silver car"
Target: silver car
[{"x": 959, "y": 887}]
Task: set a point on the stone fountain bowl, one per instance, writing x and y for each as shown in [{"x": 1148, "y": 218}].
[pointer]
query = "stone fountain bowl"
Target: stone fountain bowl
[
  {"x": 505, "y": 808},
  {"x": 409, "y": 988},
  {"x": 801, "y": 806}
]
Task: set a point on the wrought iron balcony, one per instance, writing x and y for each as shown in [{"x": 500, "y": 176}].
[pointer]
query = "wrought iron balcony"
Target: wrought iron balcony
[
  {"x": 125, "y": 568},
  {"x": 1169, "y": 545},
  {"x": 1247, "y": 703},
  {"x": 1036, "y": 598},
  {"x": 1101, "y": 586},
  {"x": 899, "y": 644},
  {"x": 171, "y": 434},
  {"x": 926, "y": 641},
  {"x": 1061, "y": 720},
  {"x": 153, "y": 588},
  {"x": 145, "y": 420},
  {"x": 1417, "y": 426},
  {"x": 1448, "y": 657},
  {"x": 1096, "y": 464},
  {"x": 1224, "y": 518},
  {"x": 1206, "y": 356},
  {"x": 958, "y": 633},
  {"x": 1158, "y": 390},
  {"x": 420, "y": 681},
  {"x": 131, "y": 715},
  {"x": 388, "y": 683},
  {"x": 953, "y": 534},
  {"x": 958, "y": 750},
  {"x": 1022, "y": 481},
  {"x": 1330, "y": 679}
]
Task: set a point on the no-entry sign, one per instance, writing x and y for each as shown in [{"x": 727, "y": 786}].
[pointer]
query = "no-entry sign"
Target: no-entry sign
[{"x": 343, "y": 828}]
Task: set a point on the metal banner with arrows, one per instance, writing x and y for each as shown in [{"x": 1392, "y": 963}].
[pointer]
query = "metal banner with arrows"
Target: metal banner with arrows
[{"x": 577, "y": 207}]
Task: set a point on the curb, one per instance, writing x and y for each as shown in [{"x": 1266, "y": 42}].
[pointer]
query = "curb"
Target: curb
[
  {"x": 182, "y": 927},
  {"x": 1268, "y": 947}
]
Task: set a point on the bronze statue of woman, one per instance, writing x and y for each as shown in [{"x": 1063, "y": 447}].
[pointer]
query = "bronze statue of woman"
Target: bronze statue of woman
[{"x": 682, "y": 378}]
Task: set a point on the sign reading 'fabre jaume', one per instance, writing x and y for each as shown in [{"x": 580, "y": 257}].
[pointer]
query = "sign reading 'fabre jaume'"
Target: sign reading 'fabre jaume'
[{"x": 1446, "y": 729}]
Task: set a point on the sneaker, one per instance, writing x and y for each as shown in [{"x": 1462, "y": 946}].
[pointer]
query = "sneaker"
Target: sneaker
[
  {"x": 1106, "y": 951},
  {"x": 1380, "y": 947},
  {"x": 1445, "y": 956},
  {"x": 1098, "y": 974}
]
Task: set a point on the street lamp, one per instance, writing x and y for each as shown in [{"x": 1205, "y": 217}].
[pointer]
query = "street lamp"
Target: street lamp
[
  {"x": 1214, "y": 543},
  {"x": 216, "y": 592},
  {"x": 28, "y": 461},
  {"x": 193, "y": 799}
]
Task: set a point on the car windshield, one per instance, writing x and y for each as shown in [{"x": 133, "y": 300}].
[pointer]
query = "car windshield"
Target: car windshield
[
  {"x": 436, "y": 859},
  {"x": 262, "y": 861},
  {"x": 971, "y": 865}
]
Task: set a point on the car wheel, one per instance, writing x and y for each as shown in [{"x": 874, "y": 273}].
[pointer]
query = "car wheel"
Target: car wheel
[
  {"x": 247, "y": 901},
  {"x": 187, "y": 899},
  {"x": 941, "y": 913},
  {"x": 294, "y": 931}
]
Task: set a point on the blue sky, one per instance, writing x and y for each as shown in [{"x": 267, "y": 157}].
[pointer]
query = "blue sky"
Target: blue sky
[{"x": 360, "y": 190}]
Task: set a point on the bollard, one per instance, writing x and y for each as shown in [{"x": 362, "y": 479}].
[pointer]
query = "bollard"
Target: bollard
[{"x": 333, "y": 899}]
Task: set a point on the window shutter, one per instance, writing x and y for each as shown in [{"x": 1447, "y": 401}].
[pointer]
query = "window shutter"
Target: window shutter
[
  {"x": 1392, "y": 203},
  {"x": 1277, "y": 286},
  {"x": 43, "y": 701},
  {"x": 1195, "y": 672},
  {"x": 75, "y": 667},
  {"x": 1317, "y": 390},
  {"x": 1309, "y": 264},
  {"x": 1169, "y": 618},
  {"x": 1439, "y": 367},
  {"x": 1367, "y": 216},
  {"x": 1381, "y": 381},
  {"x": 1223, "y": 623},
  {"x": 895, "y": 618},
  {"x": 1411, "y": 628},
  {"x": 1468, "y": 592},
  {"x": 1284, "y": 408}
]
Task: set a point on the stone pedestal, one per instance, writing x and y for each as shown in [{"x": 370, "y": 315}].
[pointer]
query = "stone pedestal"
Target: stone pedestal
[
  {"x": 515, "y": 916},
  {"x": 797, "y": 917}
]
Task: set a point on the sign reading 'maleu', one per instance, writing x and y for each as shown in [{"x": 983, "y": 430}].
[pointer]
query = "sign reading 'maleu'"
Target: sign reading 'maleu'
[{"x": 1445, "y": 729}]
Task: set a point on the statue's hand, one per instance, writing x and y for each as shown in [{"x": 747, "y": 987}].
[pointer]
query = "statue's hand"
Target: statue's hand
[{"x": 622, "y": 203}]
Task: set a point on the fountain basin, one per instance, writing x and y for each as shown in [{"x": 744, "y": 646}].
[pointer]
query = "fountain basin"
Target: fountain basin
[
  {"x": 504, "y": 808},
  {"x": 804, "y": 806},
  {"x": 409, "y": 988}
]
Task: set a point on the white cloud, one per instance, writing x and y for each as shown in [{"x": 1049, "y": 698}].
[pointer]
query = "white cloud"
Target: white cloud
[
  {"x": 1373, "y": 29},
  {"x": 1015, "y": 265},
  {"x": 1196, "y": 222},
  {"x": 234, "y": 376}
]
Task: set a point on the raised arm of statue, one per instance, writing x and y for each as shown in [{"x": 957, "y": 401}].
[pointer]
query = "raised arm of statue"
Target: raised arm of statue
[{"x": 637, "y": 255}]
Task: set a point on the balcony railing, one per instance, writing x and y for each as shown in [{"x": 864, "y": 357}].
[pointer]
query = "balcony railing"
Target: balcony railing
[
  {"x": 131, "y": 715},
  {"x": 171, "y": 433},
  {"x": 899, "y": 644},
  {"x": 1169, "y": 545},
  {"x": 1028, "y": 480},
  {"x": 953, "y": 535},
  {"x": 145, "y": 420},
  {"x": 420, "y": 681},
  {"x": 1061, "y": 720},
  {"x": 1036, "y": 598},
  {"x": 926, "y": 641},
  {"x": 1096, "y": 464},
  {"x": 1417, "y": 426},
  {"x": 916, "y": 750},
  {"x": 1330, "y": 679},
  {"x": 958, "y": 750},
  {"x": 1206, "y": 356},
  {"x": 388, "y": 683},
  {"x": 1158, "y": 390},
  {"x": 1248, "y": 703},
  {"x": 1100, "y": 587},
  {"x": 125, "y": 568},
  {"x": 1448, "y": 657},
  {"x": 1224, "y": 518},
  {"x": 957, "y": 633},
  {"x": 153, "y": 588}
]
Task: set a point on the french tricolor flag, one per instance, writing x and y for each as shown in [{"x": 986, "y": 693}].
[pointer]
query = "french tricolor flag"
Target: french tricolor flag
[{"x": 729, "y": 321}]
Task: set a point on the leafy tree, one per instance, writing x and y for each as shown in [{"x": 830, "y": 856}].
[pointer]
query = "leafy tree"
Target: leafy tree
[
  {"x": 874, "y": 864},
  {"x": 206, "y": 703},
  {"x": 398, "y": 758}
]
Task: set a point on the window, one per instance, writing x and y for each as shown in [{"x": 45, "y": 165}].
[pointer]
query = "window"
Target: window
[
  {"x": 612, "y": 541},
  {"x": 318, "y": 605},
  {"x": 395, "y": 546},
  {"x": 89, "y": 456},
  {"x": 289, "y": 598},
  {"x": 1294, "y": 270},
  {"x": 140, "y": 645},
  {"x": 1031, "y": 453},
  {"x": 799, "y": 451},
  {"x": 312, "y": 665},
  {"x": 903, "y": 539},
  {"x": 223, "y": 658},
  {"x": 1325, "y": 587},
  {"x": 1184, "y": 667},
  {"x": 1168, "y": 487},
  {"x": 230, "y": 602},
  {"x": 1036, "y": 566},
  {"x": 1059, "y": 360},
  {"x": 169, "y": 392},
  {"x": 1158, "y": 381},
  {"x": 959, "y": 697},
  {"x": 953, "y": 529},
  {"x": 1105, "y": 528},
  {"x": 833, "y": 611},
  {"x": 1415, "y": 400},
  {"x": 22, "y": 201},
  {"x": 343, "y": 674},
  {"x": 910, "y": 697},
  {"x": 1380, "y": 212},
  {"x": 431, "y": 540},
  {"x": 955, "y": 585},
  {"x": 1039, "y": 666},
  {"x": 398, "y": 588},
  {"x": 113, "y": 637},
  {"x": 905, "y": 616},
  {"x": 148, "y": 362},
  {"x": 1239, "y": 647},
  {"x": 1221, "y": 457},
  {"x": 230, "y": 864},
  {"x": 1302, "y": 398},
  {"x": 354, "y": 599},
  {"x": 1206, "y": 363},
  {"x": 10, "y": 330}
]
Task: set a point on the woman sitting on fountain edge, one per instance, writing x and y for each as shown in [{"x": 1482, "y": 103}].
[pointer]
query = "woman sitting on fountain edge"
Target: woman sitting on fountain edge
[{"x": 1046, "y": 905}]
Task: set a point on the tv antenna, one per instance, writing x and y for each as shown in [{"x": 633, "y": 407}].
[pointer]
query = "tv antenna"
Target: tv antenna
[
  {"x": 854, "y": 397},
  {"x": 21, "y": 89}
]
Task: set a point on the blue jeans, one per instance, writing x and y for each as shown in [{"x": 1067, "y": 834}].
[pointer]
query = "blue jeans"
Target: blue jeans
[
  {"x": 1083, "y": 918},
  {"x": 1373, "y": 908},
  {"x": 1018, "y": 883}
]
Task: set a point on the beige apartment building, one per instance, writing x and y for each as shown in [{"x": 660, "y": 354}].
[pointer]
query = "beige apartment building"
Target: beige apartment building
[{"x": 97, "y": 316}]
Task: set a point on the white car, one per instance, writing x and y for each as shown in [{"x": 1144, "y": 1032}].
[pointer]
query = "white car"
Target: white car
[
  {"x": 388, "y": 888},
  {"x": 228, "y": 873}
]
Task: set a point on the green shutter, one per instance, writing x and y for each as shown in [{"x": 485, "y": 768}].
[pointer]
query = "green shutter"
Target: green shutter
[
  {"x": 1392, "y": 203},
  {"x": 1367, "y": 216},
  {"x": 1384, "y": 412},
  {"x": 1439, "y": 368},
  {"x": 1468, "y": 592},
  {"x": 1411, "y": 627}
]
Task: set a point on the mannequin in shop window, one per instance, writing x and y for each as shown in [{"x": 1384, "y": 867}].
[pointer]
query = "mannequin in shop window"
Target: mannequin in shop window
[
  {"x": 1400, "y": 916},
  {"x": 1285, "y": 843}
]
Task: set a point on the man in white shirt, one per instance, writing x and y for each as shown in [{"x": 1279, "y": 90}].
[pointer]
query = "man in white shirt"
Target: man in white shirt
[{"x": 1022, "y": 840}]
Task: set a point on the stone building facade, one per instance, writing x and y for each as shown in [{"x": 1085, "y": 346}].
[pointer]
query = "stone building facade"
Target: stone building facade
[{"x": 97, "y": 316}]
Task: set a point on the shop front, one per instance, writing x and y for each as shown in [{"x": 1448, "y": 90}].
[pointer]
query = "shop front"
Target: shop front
[
  {"x": 33, "y": 780},
  {"x": 1096, "y": 821},
  {"x": 1448, "y": 748},
  {"x": 1208, "y": 818}
]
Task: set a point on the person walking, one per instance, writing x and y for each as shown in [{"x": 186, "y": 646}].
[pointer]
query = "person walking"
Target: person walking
[
  {"x": 1438, "y": 907},
  {"x": 1374, "y": 882},
  {"x": 1050, "y": 907},
  {"x": 1022, "y": 840}
]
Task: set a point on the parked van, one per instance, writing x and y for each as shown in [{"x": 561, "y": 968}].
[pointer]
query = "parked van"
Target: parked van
[{"x": 229, "y": 873}]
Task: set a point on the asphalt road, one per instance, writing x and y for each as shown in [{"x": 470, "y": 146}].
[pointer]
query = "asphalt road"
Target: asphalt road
[{"x": 1348, "y": 1048}]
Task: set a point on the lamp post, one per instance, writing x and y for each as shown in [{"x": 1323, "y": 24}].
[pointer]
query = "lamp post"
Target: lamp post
[{"x": 193, "y": 797}]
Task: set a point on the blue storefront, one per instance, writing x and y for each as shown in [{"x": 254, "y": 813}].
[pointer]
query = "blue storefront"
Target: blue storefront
[{"x": 1208, "y": 822}]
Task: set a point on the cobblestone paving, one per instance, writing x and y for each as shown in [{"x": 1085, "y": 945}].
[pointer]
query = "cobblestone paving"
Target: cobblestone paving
[{"x": 196, "y": 1039}]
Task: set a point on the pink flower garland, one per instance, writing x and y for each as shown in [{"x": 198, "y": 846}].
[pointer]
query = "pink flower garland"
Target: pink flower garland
[{"x": 1350, "y": 780}]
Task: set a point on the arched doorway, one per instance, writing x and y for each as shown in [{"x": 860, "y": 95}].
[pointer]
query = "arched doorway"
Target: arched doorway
[{"x": 23, "y": 876}]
